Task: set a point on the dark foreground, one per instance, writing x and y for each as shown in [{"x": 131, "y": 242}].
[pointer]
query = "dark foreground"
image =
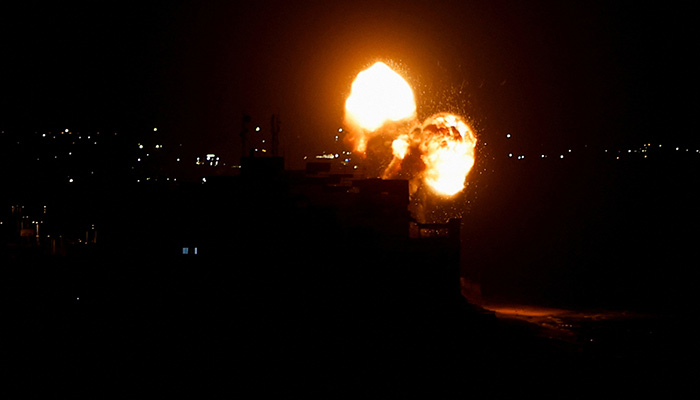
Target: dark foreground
[
  {"x": 70, "y": 326},
  {"x": 303, "y": 286}
]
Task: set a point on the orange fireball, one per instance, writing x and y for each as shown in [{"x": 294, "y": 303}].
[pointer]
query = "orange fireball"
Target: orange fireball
[
  {"x": 440, "y": 153},
  {"x": 448, "y": 153},
  {"x": 378, "y": 96}
]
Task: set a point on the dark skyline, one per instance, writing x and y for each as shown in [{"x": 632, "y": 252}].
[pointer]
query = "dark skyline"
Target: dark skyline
[
  {"x": 551, "y": 74},
  {"x": 139, "y": 250}
]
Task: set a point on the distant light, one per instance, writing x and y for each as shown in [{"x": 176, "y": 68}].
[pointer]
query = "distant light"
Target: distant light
[
  {"x": 676, "y": 148},
  {"x": 204, "y": 180},
  {"x": 66, "y": 130},
  {"x": 257, "y": 129},
  {"x": 138, "y": 159},
  {"x": 543, "y": 156},
  {"x": 508, "y": 135},
  {"x": 155, "y": 129},
  {"x": 561, "y": 156},
  {"x": 510, "y": 155},
  {"x": 43, "y": 135},
  {"x": 140, "y": 146},
  {"x": 340, "y": 129},
  {"x": 178, "y": 160},
  {"x": 70, "y": 180}
]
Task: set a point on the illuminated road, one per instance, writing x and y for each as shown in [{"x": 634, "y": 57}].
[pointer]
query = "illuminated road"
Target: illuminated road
[{"x": 603, "y": 333}]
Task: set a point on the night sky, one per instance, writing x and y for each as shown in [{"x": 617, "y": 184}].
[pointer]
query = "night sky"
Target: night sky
[
  {"x": 242, "y": 266},
  {"x": 553, "y": 74}
]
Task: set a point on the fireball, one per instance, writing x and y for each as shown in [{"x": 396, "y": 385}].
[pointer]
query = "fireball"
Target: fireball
[
  {"x": 399, "y": 147},
  {"x": 378, "y": 95},
  {"x": 448, "y": 153},
  {"x": 440, "y": 153}
]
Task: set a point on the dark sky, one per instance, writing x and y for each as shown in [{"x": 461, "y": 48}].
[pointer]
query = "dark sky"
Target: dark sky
[{"x": 551, "y": 73}]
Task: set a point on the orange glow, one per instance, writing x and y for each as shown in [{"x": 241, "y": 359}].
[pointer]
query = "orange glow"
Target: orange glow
[
  {"x": 439, "y": 153},
  {"x": 378, "y": 95},
  {"x": 399, "y": 146},
  {"x": 448, "y": 153}
]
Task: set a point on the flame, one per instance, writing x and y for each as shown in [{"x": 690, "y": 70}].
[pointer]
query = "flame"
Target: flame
[
  {"x": 399, "y": 146},
  {"x": 448, "y": 153},
  {"x": 439, "y": 153},
  {"x": 378, "y": 95}
]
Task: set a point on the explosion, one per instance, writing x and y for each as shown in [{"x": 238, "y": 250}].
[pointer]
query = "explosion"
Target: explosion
[
  {"x": 448, "y": 153},
  {"x": 381, "y": 110},
  {"x": 379, "y": 95}
]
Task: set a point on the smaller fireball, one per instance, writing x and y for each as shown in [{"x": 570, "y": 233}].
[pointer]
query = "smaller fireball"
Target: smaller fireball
[
  {"x": 399, "y": 146},
  {"x": 447, "y": 150}
]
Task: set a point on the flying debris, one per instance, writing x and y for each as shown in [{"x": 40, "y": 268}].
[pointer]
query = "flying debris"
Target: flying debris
[{"x": 381, "y": 116}]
